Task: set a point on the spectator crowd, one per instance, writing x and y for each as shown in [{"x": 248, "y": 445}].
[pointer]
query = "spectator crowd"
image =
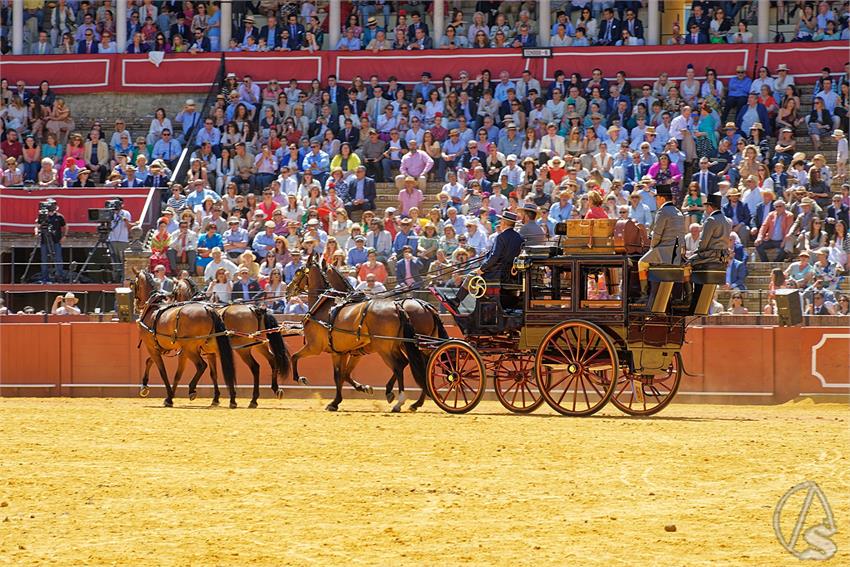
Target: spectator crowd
[
  {"x": 283, "y": 170},
  {"x": 171, "y": 26}
]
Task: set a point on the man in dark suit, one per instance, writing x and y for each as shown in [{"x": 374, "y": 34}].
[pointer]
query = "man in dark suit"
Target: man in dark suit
[
  {"x": 245, "y": 288},
  {"x": 525, "y": 38},
  {"x": 349, "y": 134},
  {"x": 421, "y": 41},
  {"x": 361, "y": 192},
  {"x": 633, "y": 24},
  {"x": 181, "y": 26},
  {"x": 248, "y": 29},
  {"x": 200, "y": 44},
  {"x": 472, "y": 151},
  {"x": 699, "y": 19},
  {"x": 337, "y": 92},
  {"x": 271, "y": 32},
  {"x": 762, "y": 210},
  {"x": 737, "y": 212},
  {"x": 357, "y": 106},
  {"x": 736, "y": 274},
  {"x": 408, "y": 269},
  {"x": 837, "y": 212},
  {"x": 609, "y": 28},
  {"x": 296, "y": 32},
  {"x": 416, "y": 25},
  {"x": 695, "y": 36},
  {"x": 88, "y": 45},
  {"x": 705, "y": 178},
  {"x": 753, "y": 104},
  {"x": 499, "y": 260}
]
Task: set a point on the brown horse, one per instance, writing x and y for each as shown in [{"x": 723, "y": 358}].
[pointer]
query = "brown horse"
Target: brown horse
[
  {"x": 353, "y": 329},
  {"x": 194, "y": 330},
  {"x": 250, "y": 324},
  {"x": 424, "y": 318}
]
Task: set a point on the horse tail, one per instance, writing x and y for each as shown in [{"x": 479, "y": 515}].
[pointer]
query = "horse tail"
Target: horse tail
[
  {"x": 283, "y": 359},
  {"x": 438, "y": 323},
  {"x": 411, "y": 349},
  {"x": 225, "y": 350}
]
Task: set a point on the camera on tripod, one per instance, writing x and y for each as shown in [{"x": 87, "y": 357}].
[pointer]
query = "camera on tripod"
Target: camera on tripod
[
  {"x": 106, "y": 214},
  {"x": 44, "y": 209}
]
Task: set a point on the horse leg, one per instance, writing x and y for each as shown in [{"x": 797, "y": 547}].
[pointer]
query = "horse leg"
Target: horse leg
[
  {"x": 213, "y": 361},
  {"x": 264, "y": 351},
  {"x": 397, "y": 364},
  {"x": 181, "y": 365},
  {"x": 245, "y": 355},
  {"x": 390, "y": 395},
  {"x": 348, "y": 364},
  {"x": 144, "y": 391},
  {"x": 200, "y": 368},
  {"x": 334, "y": 405},
  {"x": 160, "y": 365}
]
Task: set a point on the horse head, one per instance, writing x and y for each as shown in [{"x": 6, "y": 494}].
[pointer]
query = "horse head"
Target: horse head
[
  {"x": 144, "y": 288},
  {"x": 299, "y": 283}
]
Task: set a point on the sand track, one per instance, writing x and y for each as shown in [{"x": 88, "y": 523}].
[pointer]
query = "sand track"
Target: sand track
[{"x": 100, "y": 482}]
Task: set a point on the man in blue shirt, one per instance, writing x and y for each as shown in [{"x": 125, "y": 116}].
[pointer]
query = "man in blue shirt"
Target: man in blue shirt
[
  {"x": 235, "y": 238},
  {"x": 739, "y": 88},
  {"x": 264, "y": 242},
  {"x": 200, "y": 194},
  {"x": 348, "y": 42},
  {"x": 358, "y": 255},
  {"x": 404, "y": 237},
  {"x": 293, "y": 266},
  {"x": 189, "y": 118},
  {"x": 318, "y": 162},
  {"x": 167, "y": 149},
  {"x": 424, "y": 87},
  {"x": 209, "y": 134}
]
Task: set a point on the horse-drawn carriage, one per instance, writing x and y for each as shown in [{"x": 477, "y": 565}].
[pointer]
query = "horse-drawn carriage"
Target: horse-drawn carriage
[{"x": 565, "y": 332}]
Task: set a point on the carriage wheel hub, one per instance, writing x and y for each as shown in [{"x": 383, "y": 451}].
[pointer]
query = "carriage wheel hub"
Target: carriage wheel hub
[
  {"x": 452, "y": 377},
  {"x": 572, "y": 368}
]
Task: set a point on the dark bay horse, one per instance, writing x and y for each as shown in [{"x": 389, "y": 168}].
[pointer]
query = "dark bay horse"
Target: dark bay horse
[
  {"x": 424, "y": 318},
  {"x": 193, "y": 330},
  {"x": 250, "y": 324},
  {"x": 353, "y": 329}
]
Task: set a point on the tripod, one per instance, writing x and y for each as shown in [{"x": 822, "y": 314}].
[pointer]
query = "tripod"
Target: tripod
[
  {"x": 101, "y": 244},
  {"x": 45, "y": 241}
]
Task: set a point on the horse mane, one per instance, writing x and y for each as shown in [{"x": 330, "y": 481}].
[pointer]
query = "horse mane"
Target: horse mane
[
  {"x": 193, "y": 287},
  {"x": 343, "y": 280}
]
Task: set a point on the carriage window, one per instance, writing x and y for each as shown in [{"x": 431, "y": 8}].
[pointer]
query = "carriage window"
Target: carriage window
[
  {"x": 550, "y": 287},
  {"x": 601, "y": 287}
]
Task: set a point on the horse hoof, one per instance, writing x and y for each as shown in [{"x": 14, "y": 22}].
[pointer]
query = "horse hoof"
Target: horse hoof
[
  {"x": 390, "y": 397},
  {"x": 252, "y": 405},
  {"x": 167, "y": 403},
  {"x": 144, "y": 392},
  {"x": 214, "y": 404},
  {"x": 396, "y": 409},
  {"x": 331, "y": 407},
  {"x": 193, "y": 395},
  {"x": 302, "y": 380},
  {"x": 280, "y": 394},
  {"x": 232, "y": 405},
  {"x": 414, "y": 408},
  {"x": 368, "y": 389}
]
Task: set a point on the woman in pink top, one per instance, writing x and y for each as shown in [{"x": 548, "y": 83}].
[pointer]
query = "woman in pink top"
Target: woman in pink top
[{"x": 596, "y": 211}]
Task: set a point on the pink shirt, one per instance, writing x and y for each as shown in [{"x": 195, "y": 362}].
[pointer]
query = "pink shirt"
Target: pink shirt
[
  {"x": 416, "y": 164},
  {"x": 411, "y": 199}
]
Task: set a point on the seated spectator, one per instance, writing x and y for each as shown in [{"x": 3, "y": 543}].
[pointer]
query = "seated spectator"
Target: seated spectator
[
  {"x": 65, "y": 305},
  {"x": 736, "y": 304},
  {"x": 798, "y": 274}
]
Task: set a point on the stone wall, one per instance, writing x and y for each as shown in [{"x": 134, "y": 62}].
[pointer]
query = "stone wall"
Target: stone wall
[{"x": 135, "y": 109}]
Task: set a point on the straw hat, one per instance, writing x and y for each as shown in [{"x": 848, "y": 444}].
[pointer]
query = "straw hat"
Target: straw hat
[{"x": 71, "y": 297}]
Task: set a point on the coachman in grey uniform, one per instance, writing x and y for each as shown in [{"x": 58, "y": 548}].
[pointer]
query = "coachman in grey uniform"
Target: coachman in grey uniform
[
  {"x": 668, "y": 237},
  {"x": 713, "y": 246}
]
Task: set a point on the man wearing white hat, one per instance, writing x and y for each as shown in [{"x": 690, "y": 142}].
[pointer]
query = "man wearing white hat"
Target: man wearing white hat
[
  {"x": 189, "y": 117},
  {"x": 65, "y": 305},
  {"x": 514, "y": 173}
]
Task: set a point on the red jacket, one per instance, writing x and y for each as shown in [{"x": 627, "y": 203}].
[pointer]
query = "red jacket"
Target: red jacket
[{"x": 766, "y": 231}]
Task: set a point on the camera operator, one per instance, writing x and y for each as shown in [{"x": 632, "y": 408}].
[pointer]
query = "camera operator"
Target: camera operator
[
  {"x": 119, "y": 234},
  {"x": 51, "y": 228}
]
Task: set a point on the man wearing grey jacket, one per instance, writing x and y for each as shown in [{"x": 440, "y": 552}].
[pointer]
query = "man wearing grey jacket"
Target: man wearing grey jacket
[{"x": 667, "y": 245}]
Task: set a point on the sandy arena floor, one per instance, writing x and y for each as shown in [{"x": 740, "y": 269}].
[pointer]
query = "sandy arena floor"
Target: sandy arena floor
[{"x": 125, "y": 482}]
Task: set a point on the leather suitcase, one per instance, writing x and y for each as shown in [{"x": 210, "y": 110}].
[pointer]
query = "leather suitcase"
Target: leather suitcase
[{"x": 630, "y": 237}]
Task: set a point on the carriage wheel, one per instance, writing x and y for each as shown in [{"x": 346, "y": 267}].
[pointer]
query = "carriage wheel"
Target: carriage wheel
[
  {"x": 456, "y": 377},
  {"x": 647, "y": 394},
  {"x": 515, "y": 384},
  {"x": 576, "y": 368}
]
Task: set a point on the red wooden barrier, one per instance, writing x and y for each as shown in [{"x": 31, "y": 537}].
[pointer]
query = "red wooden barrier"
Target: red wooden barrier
[
  {"x": 744, "y": 364},
  {"x": 187, "y": 72}
]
